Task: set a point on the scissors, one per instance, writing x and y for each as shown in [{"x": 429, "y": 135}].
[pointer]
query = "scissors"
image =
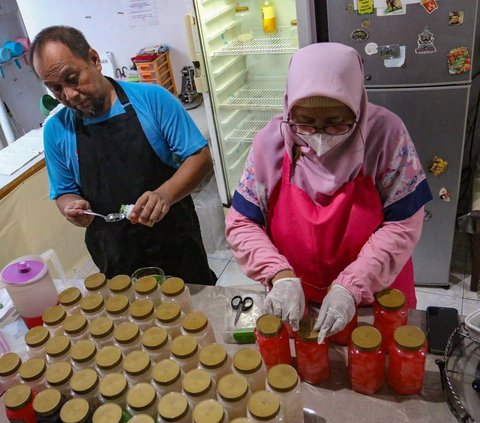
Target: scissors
[
  {"x": 241, "y": 305},
  {"x": 121, "y": 72}
]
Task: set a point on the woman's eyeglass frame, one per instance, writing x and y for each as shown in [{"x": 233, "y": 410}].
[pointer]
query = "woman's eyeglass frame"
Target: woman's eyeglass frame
[{"x": 307, "y": 129}]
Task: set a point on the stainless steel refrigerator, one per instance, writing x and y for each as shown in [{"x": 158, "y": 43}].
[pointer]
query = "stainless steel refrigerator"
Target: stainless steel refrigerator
[{"x": 406, "y": 57}]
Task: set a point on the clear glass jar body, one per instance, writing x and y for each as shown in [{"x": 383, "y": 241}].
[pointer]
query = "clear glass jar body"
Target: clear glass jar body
[
  {"x": 70, "y": 299},
  {"x": 387, "y": 320},
  {"x": 63, "y": 388},
  {"x": 366, "y": 369},
  {"x": 146, "y": 376},
  {"x": 169, "y": 379},
  {"x": 55, "y": 359},
  {"x": 79, "y": 335},
  {"x": 187, "y": 418},
  {"x": 193, "y": 400},
  {"x": 159, "y": 354},
  {"x": 343, "y": 337},
  {"x": 7, "y": 382},
  {"x": 274, "y": 349},
  {"x": 204, "y": 336},
  {"x": 37, "y": 385},
  {"x": 312, "y": 360},
  {"x": 102, "y": 342},
  {"x": 275, "y": 419},
  {"x": 175, "y": 386},
  {"x": 143, "y": 324},
  {"x": 172, "y": 328},
  {"x": 56, "y": 329},
  {"x": 291, "y": 403},
  {"x": 118, "y": 318},
  {"x": 126, "y": 348},
  {"x": 93, "y": 315},
  {"x": 155, "y": 297},
  {"x": 150, "y": 411},
  {"x": 93, "y": 397},
  {"x": 34, "y": 352},
  {"x": 188, "y": 363},
  {"x": 237, "y": 408},
  {"x": 183, "y": 299},
  {"x": 102, "y": 372},
  {"x": 255, "y": 379},
  {"x": 73, "y": 309},
  {"x": 79, "y": 365},
  {"x": 217, "y": 372},
  {"x": 406, "y": 369},
  {"x": 120, "y": 400}
]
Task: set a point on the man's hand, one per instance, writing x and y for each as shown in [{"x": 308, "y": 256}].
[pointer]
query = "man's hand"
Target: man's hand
[
  {"x": 73, "y": 211},
  {"x": 151, "y": 207}
]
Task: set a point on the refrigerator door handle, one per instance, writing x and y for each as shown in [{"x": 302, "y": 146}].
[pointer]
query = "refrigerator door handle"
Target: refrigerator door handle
[{"x": 195, "y": 55}]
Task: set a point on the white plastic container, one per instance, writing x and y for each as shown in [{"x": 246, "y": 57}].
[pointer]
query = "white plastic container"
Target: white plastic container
[
  {"x": 36, "y": 338},
  {"x": 173, "y": 407},
  {"x": 156, "y": 343},
  {"x": 248, "y": 363},
  {"x": 215, "y": 360},
  {"x": 175, "y": 290},
  {"x": 167, "y": 376},
  {"x": 198, "y": 386},
  {"x": 137, "y": 367},
  {"x": 109, "y": 360},
  {"x": 233, "y": 393},
  {"x": 196, "y": 324},
  {"x": 170, "y": 316},
  {"x": 185, "y": 352}
]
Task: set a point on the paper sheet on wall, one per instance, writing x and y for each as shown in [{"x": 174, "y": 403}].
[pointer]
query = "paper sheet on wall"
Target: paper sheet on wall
[
  {"x": 141, "y": 12},
  {"x": 20, "y": 152}
]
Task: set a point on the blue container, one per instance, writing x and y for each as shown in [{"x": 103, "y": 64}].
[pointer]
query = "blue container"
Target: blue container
[
  {"x": 16, "y": 49},
  {"x": 5, "y": 54}
]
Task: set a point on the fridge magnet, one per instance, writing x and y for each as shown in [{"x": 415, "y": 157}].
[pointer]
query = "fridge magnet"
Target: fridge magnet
[
  {"x": 393, "y": 6},
  {"x": 389, "y": 51},
  {"x": 459, "y": 61},
  {"x": 427, "y": 215},
  {"x": 371, "y": 49},
  {"x": 437, "y": 166},
  {"x": 360, "y": 35},
  {"x": 365, "y": 7},
  {"x": 444, "y": 195},
  {"x": 349, "y": 8},
  {"x": 366, "y": 23},
  {"x": 429, "y": 5},
  {"x": 397, "y": 62},
  {"x": 425, "y": 42},
  {"x": 455, "y": 18}
]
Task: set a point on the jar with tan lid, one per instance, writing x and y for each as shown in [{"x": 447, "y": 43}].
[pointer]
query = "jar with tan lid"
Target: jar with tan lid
[
  {"x": 142, "y": 399},
  {"x": 167, "y": 376},
  {"x": 122, "y": 285},
  {"x": 137, "y": 367},
  {"x": 127, "y": 337},
  {"x": 101, "y": 331},
  {"x": 156, "y": 342},
  {"x": 9, "y": 366},
  {"x": 113, "y": 389},
  {"x": 146, "y": 288},
  {"x": 85, "y": 384},
  {"x": 58, "y": 348},
  {"x": 47, "y": 405},
  {"x": 210, "y": 411},
  {"x": 142, "y": 313},
  {"x": 116, "y": 308},
  {"x": 241, "y": 420},
  {"x": 233, "y": 393},
  {"x": 196, "y": 323},
  {"x": 76, "y": 327},
  {"x": 175, "y": 290},
  {"x": 110, "y": 413},
  {"x": 264, "y": 406},
  {"x": 248, "y": 363},
  {"x": 18, "y": 404},
  {"x": 283, "y": 381},
  {"x": 197, "y": 385},
  {"x": 96, "y": 283},
  {"x": 271, "y": 337},
  {"x": 83, "y": 354},
  {"x": 32, "y": 373},
  {"x": 170, "y": 316},
  {"x": 215, "y": 361},
  {"x": 312, "y": 358},
  {"x": 53, "y": 318},
  {"x": 141, "y": 418},
  {"x": 93, "y": 306},
  {"x": 36, "y": 338},
  {"x": 173, "y": 407},
  {"x": 58, "y": 376},
  {"x": 70, "y": 299},
  {"x": 185, "y": 351},
  {"x": 109, "y": 360},
  {"x": 76, "y": 410}
]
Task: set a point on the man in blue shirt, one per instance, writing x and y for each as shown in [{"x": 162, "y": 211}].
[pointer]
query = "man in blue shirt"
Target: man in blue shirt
[{"x": 122, "y": 143}]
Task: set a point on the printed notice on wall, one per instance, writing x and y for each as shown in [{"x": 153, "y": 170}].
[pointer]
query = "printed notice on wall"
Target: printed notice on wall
[{"x": 141, "y": 12}]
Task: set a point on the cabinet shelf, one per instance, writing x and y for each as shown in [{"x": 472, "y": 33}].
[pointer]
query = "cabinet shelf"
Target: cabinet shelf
[
  {"x": 248, "y": 127},
  {"x": 260, "y": 94}
]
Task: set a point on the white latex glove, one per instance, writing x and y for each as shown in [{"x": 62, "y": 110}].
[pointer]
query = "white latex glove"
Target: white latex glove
[
  {"x": 338, "y": 308},
  {"x": 286, "y": 301}
]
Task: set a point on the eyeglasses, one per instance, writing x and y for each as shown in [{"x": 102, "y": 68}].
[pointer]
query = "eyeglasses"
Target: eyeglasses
[{"x": 307, "y": 129}]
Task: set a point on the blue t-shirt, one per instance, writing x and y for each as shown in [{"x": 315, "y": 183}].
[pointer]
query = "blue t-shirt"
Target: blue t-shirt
[{"x": 171, "y": 132}]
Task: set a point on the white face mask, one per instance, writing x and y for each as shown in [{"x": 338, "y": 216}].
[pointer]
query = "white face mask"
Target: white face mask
[{"x": 322, "y": 143}]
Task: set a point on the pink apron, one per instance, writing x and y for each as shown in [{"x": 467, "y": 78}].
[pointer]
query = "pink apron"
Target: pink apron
[{"x": 319, "y": 241}]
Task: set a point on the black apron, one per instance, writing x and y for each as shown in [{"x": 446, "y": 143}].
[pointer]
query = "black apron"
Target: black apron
[{"x": 117, "y": 165}]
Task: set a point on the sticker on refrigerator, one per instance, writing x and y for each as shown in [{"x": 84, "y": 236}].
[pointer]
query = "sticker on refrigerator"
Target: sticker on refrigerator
[
  {"x": 366, "y": 23},
  {"x": 459, "y": 61},
  {"x": 398, "y": 62},
  {"x": 429, "y": 5},
  {"x": 425, "y": 42},
  {"x": 360, "y": 35},
  {"x": 371, "y": 49},
  {"x": 388, "y": 11},
  {"x": 427, "y": 215},
  {"x": 444, "y": 195},
  {"x": 365, "y": 7},
  {"x": 455, "y": 18},
  {"x": 437, "y": 166},
  {"x": 349, "y": 8},
  {"x": 389, "y": 51}
]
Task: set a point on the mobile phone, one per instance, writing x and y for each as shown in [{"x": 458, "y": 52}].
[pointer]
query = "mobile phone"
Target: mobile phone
[{"x": 441, "y": 322}]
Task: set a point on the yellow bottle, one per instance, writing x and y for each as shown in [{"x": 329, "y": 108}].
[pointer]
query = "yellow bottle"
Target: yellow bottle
[{"x": 269, "y": 21}]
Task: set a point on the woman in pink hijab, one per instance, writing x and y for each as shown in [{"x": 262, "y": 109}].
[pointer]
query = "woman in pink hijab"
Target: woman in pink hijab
[{"x": 331, "y": 196}]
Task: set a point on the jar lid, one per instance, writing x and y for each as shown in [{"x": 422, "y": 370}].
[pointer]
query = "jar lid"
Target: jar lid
[
  {"x": 208, "y": 411},
  {"x": 240, "y": 420},
  {"x": 83, "y": 351},
  {"x": 195, "y": 321},
  {"x": 126, "y": 332},
  {"x": 92, "y": 303},
  {"x": 141, "y": 418},
  {"x": 117, "y": 304},
  {"x": 366, "y": 338},
  {"x": 54, "y": 315},
  {"x": 306, "y": 333},
  {"x": 168, "y": 312},
  {"x": 184, "y": 346},
  {"x": 141, "y": 309},
  {"x": 293, "y": 22},
  {"x": 17, "y": 396},
  {"x": 32, "y": 369},
  {"x": 95, "y": 282},
  {"x": 239, "y": 9},
  {"x": 58, "y": 373},
  {"x": 119, "y": 283},
  {"x": 409, "y": 337},
  {"x": 212, "y": 356},
  {"x": 9, "y": 364},
  {"x": 390, "y": 298},
  {"x": 136, "y": 363},
  {"x": 84, "y": 381},
  {"x": 101, "y": 327},
  {"x": 196, "y": 382},
  {"x": 232, "y": 387},
  {"x": 57, "y": 346},
  {"x": 247, "y": 360},
  {"x": 24, "y": 270},
  {"x": 113, "y": 385},
  {"x": 154, "y": 338},
  {"x": 75, "y": 324},
  {"x": 70, "y": 296},
  {"x": 108, "y": 357},
  {"x": 282, "y": 377},
  {"x": 36, "y": 337},
  {"x": 108, "y": 413},
  {"x": 75, "y": 410},
  {"x": 269, "y": 325},
  {"x": 146, "y": 285},
  {"x": 171, "y": 287},
  {"x": 263, "y": 405},
  {"x": 166, "y": 372},
  {"x": 172, "y": 406},
  {"x": 47, "y": 402},
  {"x": 141, "y": 396}
]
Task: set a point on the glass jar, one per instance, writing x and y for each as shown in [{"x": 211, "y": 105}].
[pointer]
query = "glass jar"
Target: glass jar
[
  {"x": 58, "y": 376},
  {"x": 9, "y": 366},
  {"x": 241, "y": 420},
  {"x": 85, "y": 384},
  {"x": 32, "y": 373},
  {"x": 109, "y": 360},
  {"x": 58, "y": 348},
  {"x": 127, "y": 337},
  {"x": 83, "y": 354},
  {"x": 142, "y": 418},
  {"x": 312, "y": 358},
  {"x": 53, "y": 318},
  {"x": 343, "y": 337},
  {"x": 215, "y": 361},
  {"x": 210, "y": 411},
  {"x": 101, "y": 331},
  {"x": 122, "y": 285},
  {"x": 170, "y": 316},
  {"x": 406, "y": 364},
  {"x": 264, "y": 406},
  {"x": 76, "y": 327},
  {"x": 294, "y": 33},
  {"x": 113, "y": 389},
  {"x": 47, "y": 405},
  {"x": 18, "y": 402},
  {"x": 167, "y": 376},
  {"x": 390, "y": 312},
  {"x": 116, "y": 308},
  {"x": 70, "y": 299},
  {"x": 137, "y": 367},
  {"x": 36, "y": 338},
  {"x": 248, "y": 363},
  {"x": 242, "y": 16},
  {"x": 110, "y": 413},
  {"x": 96, "y": 283},
  {"x": 284, "y": 382},
  {"x": 156, "y": 343},
  {"x": 76, "y": 410},
  {"x": 185, "y": 352},
  {"x": 271, "y": 336},
  {"x": 146, "y": 288},
  {"x": 142, "y": 399},
  {"x": 142, "y": 314},
  {"x": 233, "y": 393},
  {"x": 197, "y": 385},
  {"x": 93, "y": 306},
  {"x": 196, "y": 323},
  {"x": 175, "y": 290},
  {"x": 173, "y": 407}
]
